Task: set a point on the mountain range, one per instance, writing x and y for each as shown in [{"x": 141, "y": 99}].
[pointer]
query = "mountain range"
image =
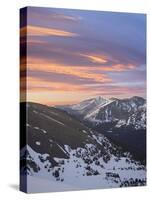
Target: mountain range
[
  {"x": 129, "y": 111},
  {"x": 121, "y": 120},
  {"x": 79, "y": 146}
]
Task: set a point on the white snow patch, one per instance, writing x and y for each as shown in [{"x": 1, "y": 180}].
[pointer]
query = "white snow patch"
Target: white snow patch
[
  {"x": 35, "y": 111},
  {"x": 121, "y": 123},
  {"x": 84, "y": 131},
  {"x": 37, "y": 128},
  {"x": 44, "y": 131},
  {"x": 38, "y": 143}
]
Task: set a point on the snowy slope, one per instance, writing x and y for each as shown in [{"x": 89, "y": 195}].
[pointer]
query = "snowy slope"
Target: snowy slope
[
  {"x": 83, "y": 170},
  {"x": 63, "y": 154}
]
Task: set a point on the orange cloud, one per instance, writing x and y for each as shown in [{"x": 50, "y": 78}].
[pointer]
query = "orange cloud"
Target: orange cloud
[
  {"x": 37, "y": 84},
  {"x": 33, "y": 41},
  {"x": 77, "y": 71},
  {"x": 42, "y": 31},
  {"x": 114, "y": 68},
  {"x": 118, "y": 67},
  {"x": 95, "y": 58}
]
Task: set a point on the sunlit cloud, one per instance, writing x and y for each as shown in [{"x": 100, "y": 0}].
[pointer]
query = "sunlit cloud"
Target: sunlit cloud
[
  {"x": 73, "y": 55},
  {"x": 62, "y": 17},
  {"x": 37, "y": 84},
  {"x": 50, "y": 51},
  {"x": 42, "y": 31},
  {"x": 87, "y": 71},
  {"x": 77, "y": 71},
  {"x": 115, "y": 68},
  {"x": 95, "y": 58}
]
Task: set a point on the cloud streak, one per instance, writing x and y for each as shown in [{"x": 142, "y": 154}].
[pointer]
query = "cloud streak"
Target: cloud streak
[
  {"x": 42, "y": 31},
  {"x": 76, "y": 71},
  {"x": 73, "y": 55},
  {"x": 95, "y": 58},
  {"x": 40, "y": 15}
]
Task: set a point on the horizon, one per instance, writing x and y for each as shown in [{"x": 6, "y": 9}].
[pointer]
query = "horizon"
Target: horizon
[
  {"x": 74, "y": 54},
  {"x": 51, "y": 104}
]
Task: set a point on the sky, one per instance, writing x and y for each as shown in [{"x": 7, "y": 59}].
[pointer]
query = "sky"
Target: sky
[{"x": 73, "y": 55}]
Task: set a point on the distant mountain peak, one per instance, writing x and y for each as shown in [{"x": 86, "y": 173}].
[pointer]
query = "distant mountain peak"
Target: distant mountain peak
[
  {"x": 89, "y": 105},
  {"x": 99, "y": 110},
  {"x": 99, "y": 99},
  {"x": 114, "y": 99}
]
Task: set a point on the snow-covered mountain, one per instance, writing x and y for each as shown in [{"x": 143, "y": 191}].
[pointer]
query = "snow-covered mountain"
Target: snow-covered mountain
[
  {"x": 121, "y": 120},
  {"x": 61, "y": 153},
  {"x": 86, "y": 107},
  {"x": 90, "y": 105},
  {"x": 121, "y": 112}
]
